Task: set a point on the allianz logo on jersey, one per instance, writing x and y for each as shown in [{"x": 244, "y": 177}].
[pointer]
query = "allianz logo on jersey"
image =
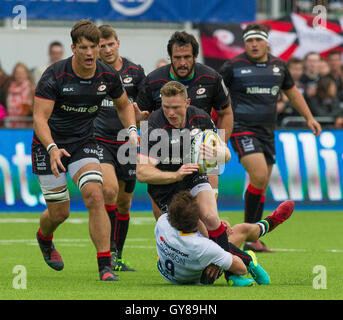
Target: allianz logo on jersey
[
  {"x": 79, "y": 109},
  {"x": 258, "y": 90},
  {"x": 107, "y": 103}
]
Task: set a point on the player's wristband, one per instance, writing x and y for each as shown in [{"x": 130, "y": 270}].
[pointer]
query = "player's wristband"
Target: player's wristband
[
  {"x": 50, "y": 147},
  {"x": 131, "y": 129}
]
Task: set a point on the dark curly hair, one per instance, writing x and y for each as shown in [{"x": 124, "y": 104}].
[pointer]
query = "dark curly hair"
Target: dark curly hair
[{"x": 181, "y": 38}]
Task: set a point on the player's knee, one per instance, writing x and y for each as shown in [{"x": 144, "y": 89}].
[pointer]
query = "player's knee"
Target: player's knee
[
  {"x": 259, "y": 179},
  {"x": 237, "y": 266},
  {"x": 110, "y": 193},
  {"x": 211, "y": 220},
  {"x": 242, "y": 228},
  {"x": 124, "y": 205},
  {"x": 93, "y": 196},
  {"x": 58, "y": 215}
]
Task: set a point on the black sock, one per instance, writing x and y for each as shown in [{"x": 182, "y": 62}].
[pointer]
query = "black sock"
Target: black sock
[
  {"x": 112, "y": 213},
  {"x": 122, "y": 227},
  {"x": 252, "y": 199},
  {"x": 104, "y": 260},
  {"x": 259, "y": 212},
  {"x": 220, "y": 237}
]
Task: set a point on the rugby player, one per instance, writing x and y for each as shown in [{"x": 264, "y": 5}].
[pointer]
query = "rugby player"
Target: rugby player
[
  {"x": 119, "y": 179},
  {"x": 255, "y": 78},
  {"x": 167, "y": 173},
  {"x": 185, "y": 256},
  {"x": 205, "y": 87},
  {"x": 67, "y": 100}
]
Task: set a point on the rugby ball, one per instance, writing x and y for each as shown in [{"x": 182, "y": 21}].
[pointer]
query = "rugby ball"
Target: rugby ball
[{"x": 208, "y": 137}]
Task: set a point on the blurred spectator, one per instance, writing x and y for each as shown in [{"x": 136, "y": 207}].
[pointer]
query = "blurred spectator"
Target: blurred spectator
[
  {"x": 161, "y": 63},
  {"x": 310, "y": 77},
  {"x": 325, "y": 103},
  {"x": 323, "y": 68},
  {"x": 284, "y": 108},
  {"x": 56, "y": 53},
  {"x": 19, "y": 97},
  {"x": 4, "y": 81},
  {"x": 335, "y": 64}
]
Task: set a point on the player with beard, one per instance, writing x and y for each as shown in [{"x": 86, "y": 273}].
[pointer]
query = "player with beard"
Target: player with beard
[
  {"x": 205, "y": 87},
  {"x": 118, "y": 180},
  {"x": 255, "y": 78},
  {"x": 66, "y": 103}
]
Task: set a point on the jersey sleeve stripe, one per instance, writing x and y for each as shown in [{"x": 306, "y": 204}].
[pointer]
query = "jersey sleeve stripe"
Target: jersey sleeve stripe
[
  {"x": 196, "y": 116},
  {"x": 130, "y": 68},
  {"x": 163, "y": 80},
  {"x": 43, "y": 98},
  {"x": 242, "y": 134},
  {"x": 204, "y": 75},
  {"x": 237, "y": 60},
  {"x": 112, "y": 74},
  {"x": 65, "y": 73}
]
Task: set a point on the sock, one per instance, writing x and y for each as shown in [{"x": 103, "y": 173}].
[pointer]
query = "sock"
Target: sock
[
  {"x": 44, "y": 240},
  {"x": 104, "y": 260},
  {"x": 252, "y": 198},
  {"x": 122, "y": 227},
  {"x": 259, "y": 212},
  {"x": 265, "y": 226},
  {"x": 220, "y": 237},
  {"x": 112, "y": 213}
]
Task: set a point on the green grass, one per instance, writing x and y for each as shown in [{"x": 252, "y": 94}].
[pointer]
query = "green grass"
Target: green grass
[{"x": 312, "y": 234}]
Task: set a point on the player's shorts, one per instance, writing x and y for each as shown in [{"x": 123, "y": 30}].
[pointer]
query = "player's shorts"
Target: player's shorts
[
  {"x": 245, "y": 143},
  {"x": 124, "y": 172},
  {"x": 163, "y": 194},
  {"x": 84, "y": 152}
]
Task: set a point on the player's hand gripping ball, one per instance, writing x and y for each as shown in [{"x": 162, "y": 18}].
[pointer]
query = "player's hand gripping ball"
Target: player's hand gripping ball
[{"x": 209, "y": 138}]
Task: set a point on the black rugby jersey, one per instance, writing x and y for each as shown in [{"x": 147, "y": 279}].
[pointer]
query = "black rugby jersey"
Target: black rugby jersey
[
  {"x": 195, "y": 119},
  {"x": 254, "y": 89},
  {"x": 107, "y": 124},
  {"x": 206, "y": 89},
  {"x": 77, "y": 100}
]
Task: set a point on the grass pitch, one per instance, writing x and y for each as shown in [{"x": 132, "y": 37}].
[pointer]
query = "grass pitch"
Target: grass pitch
[{"x": 307, "y": 264}]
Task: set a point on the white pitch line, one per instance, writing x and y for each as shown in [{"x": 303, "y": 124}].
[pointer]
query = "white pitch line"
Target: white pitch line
[
  {"x": 133, "y": 220},
  {"x": 84, "y": 242}
]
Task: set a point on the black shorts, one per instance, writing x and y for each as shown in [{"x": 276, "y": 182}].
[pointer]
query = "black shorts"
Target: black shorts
[
  {"x": 109, "y": 154},
  {"x": 163, "y": 194},
  {"x": 245, "y": 143},
  {"x": 78, "y": 151}
]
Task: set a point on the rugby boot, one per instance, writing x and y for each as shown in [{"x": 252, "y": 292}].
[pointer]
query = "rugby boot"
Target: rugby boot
[
  {"x": 257, "y": 246},
  {"x": 258, "y": 273},
  {"x": 239, "y": 281},
  {"x": 106, "y": 274},
  {"x": 51, "y": 256},
  {"x": 122, "y": 265},
  {"x": 281, "y": 214}
]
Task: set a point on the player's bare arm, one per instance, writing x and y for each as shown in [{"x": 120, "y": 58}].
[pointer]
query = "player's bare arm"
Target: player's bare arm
[
  {"x": 42, "y": 110},
  {"x": 127, "y": 116},
  {"x": 148, "y": 173},
  {"x": 298, "y": 102},
  {"x": 225, "y": 121}
]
